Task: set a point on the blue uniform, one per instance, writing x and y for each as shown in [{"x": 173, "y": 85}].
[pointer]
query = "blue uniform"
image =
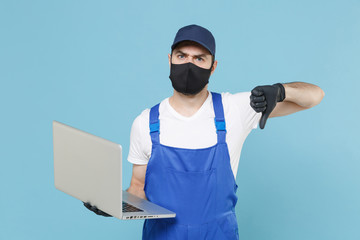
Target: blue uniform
[{"x": 197, "y": 184}]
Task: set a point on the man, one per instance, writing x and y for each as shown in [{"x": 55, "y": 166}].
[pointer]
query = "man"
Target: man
[{"x": 185, "y": 151}]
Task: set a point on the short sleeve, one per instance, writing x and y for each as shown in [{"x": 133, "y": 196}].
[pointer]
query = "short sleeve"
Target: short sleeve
[
  {"x": 139, "y": 149},
  {"x": 249, "y": 117}
]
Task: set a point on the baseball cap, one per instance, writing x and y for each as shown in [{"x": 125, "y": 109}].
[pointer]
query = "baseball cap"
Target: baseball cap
[{"x": 197, "y": 34}]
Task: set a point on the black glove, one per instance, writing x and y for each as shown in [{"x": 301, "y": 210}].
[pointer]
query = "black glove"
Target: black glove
[
  {"x": 96, "y": 210},
  {"x": 264, "y": 98}
]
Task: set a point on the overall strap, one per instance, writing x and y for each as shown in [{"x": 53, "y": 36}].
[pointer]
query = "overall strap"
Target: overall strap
[
  {"x": 154, "y": 124},
  {"x": 219, "y": 117}
]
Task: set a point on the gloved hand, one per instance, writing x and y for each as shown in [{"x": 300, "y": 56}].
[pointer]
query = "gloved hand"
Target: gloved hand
[
  {"x": 96, "y": 210},
  {"x": 264, "y": 98}
]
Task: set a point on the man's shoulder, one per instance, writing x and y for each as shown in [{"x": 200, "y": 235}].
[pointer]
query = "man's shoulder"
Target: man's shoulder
[
  {"x": 143, "y": 117},
  {"x": 238, "y": 94},
  {"x": 236, "y": 98}
]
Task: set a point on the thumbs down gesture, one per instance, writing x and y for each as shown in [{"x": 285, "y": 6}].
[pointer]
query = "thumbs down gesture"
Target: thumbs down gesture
[{"x": 264, "y": 98}]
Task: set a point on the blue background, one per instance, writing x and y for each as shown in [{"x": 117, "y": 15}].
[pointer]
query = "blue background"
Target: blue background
[{"x": 97, "y": 64}]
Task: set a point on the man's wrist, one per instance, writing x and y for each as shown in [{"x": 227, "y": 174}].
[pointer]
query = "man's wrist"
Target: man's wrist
[{"x": 281, "y": 94}]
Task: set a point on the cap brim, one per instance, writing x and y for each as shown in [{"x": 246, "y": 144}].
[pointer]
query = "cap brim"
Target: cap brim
[{"x": 193, "y": 40}]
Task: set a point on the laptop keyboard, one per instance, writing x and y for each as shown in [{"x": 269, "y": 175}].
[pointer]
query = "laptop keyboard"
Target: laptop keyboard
[{"x": 126, "y": 207}]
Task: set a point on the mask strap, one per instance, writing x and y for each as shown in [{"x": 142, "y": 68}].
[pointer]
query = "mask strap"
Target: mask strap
[{"x": 212, "y": 64}]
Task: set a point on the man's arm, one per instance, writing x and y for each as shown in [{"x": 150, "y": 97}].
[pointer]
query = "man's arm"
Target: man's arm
[
  {"x": 298, "y": 96},
  {"x": 138, "y": 181}
]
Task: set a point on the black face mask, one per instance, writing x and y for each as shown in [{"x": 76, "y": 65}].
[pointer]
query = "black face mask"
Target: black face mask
[{"x": 188, "y": 78}]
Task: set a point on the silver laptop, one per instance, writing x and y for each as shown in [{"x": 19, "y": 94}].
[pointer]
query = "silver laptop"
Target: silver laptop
[{"x": 89, "y": 168}]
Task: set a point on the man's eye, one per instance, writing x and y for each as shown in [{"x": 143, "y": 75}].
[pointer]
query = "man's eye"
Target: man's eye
[
  {"x": 181, "y": 56},
  {"x": 199, "y": 59}
]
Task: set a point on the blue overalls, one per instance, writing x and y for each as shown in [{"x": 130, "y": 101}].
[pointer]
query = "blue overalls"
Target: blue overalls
[{"x": 197, "y": 184}]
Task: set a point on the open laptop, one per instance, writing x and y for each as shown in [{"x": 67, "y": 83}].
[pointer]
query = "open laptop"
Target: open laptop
[{"x": 89, "y": 168}]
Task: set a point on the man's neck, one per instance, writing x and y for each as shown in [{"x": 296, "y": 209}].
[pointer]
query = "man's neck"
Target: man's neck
[{"x": 188, "y": 105}]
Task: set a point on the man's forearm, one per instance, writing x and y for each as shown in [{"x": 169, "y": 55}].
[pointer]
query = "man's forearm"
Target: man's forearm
[{"x": 303, "y": 94}]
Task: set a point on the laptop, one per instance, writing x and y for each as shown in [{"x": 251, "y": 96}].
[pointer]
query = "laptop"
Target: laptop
[{"x": 89, "y": 168}]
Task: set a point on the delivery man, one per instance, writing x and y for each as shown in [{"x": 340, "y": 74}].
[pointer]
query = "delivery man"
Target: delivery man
[{"x": 185, "y": 150}]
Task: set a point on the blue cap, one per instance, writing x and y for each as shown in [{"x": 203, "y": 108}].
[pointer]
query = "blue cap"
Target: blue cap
[{"x": 197, "y": 34}]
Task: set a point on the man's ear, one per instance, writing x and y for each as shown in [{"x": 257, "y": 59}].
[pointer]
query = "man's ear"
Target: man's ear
[
  {"x": 169, "y": 56},
  {"x": 213, "y": 67}
]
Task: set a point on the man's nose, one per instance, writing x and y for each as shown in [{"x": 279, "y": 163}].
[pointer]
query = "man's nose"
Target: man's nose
[{"x": 190, "y": 59}]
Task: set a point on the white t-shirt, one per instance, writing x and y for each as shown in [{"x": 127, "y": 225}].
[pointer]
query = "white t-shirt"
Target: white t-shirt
[{"x": 197, "y": 131}]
